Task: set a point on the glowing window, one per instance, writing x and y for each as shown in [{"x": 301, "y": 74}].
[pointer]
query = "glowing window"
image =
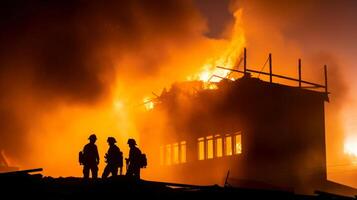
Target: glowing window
[
  {"x": 219, "y": 146},
  {"x": 201, "y": 149},
  {"x": 237, "y": 144},
  {"x": 175, "y": 153},
  {"x": 228, "y": 141},
  {"x": 183, "y": 151},
  {"x": 209, "y": 140},
  {"x": 168, "y": 154},
  {"x": 161, "y": 155}
]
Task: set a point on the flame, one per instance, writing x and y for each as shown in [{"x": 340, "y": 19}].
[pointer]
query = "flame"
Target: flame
[
  {"x": 350, "y": 147},
  {"x": 70, "y": 125},
  {"x": 229, "y": 56},
  {"x": 149, "y": 104},
  {"x": 350, "y": 126}
]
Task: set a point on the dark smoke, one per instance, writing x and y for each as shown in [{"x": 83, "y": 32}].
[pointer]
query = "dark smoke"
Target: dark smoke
[
  {"x": 338, "y": 87},
  {"x": 64, "y": 52}
]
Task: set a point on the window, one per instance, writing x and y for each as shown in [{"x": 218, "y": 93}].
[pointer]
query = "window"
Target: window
[
  {"x": 162, "y": 155},
  {"x": 216, "y": 146},
  {"x": 201, "y": 149},
  {"x": 209, "y": 140},
  {"x": 237, "y": 144},
  {"x": 183, "y": 151},
  {"x": 168, "y": 154},
  {"x": 228, "y": 141},
  {"x": 175, "y": 153},
  {"x": 219, "y": 146}
]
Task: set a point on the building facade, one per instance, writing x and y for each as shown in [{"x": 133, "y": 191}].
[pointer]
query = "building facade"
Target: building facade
[{"x": 246, "y": 132}]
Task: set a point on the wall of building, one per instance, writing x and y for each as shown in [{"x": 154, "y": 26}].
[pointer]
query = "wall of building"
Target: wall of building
[{"x": 281, "y": 131}]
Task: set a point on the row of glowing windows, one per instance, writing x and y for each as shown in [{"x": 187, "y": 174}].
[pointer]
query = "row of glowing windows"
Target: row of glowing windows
[
  {"x": 218, "y": 146},
  {"x": 173, "y": 153},
  {"x": 208, "y": 148}
]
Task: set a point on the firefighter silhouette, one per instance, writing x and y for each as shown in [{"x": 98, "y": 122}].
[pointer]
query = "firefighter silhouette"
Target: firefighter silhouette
[
  {"x": 134, "y": 161},
  {"x": 113, "y": 158},
  {"x": 89, "y": 158}
]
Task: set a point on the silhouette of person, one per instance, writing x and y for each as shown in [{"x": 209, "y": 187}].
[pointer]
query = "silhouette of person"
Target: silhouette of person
[
  {"x": 133, "y": 162},
  {"x": 90, "y": 158},
  {"x": 114, "y": 159}
]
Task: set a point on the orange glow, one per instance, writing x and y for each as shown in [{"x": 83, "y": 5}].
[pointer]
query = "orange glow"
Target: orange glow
[
  {"x": 219, "y": 146},
  {"x": 201, "y": 149},
  {"x": 183, "y": 151},
  {"x": 129, "y": 62},
  {"x": 149, "y": 105},
  {"x": 228, "y": 57},
  {"x": 175, "y": 153},
  {"x": 118, "y": 105},
  {"x": 228, "y": 141},
  {"x": 350, "y": 147},
  {"x": 350, "y": 128},
  {"x": 209, "y": 147},
  {"x": 57, "y": 135},
  {"x": 238, "y": 144},
  {"x": 65, "y": 135}
]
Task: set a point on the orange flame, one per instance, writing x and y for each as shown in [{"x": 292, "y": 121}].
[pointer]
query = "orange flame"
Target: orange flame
[
  {"x": 230, "y": 55},
  {"x": 149, "y": 104},
  {"x": 350, "y": 147},
  {"x": 350, "y": 144}
]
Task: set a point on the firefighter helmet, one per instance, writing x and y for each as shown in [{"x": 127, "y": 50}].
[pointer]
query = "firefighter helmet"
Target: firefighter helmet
[
  {"x": 92, "y": 137},
  {"x": 111, "y": 140},
  {"x": 131, "y": 141}
]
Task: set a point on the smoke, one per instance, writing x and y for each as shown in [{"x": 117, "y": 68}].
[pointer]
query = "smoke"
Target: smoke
[
  {"x": 70, "y": 68},
  {"x": 318, "y": 32}
]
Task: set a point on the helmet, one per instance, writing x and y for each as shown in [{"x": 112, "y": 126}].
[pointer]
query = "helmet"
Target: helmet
[
  {"x": 131, "y": 141},
  {"x": 92, "y": 137},
  {"x": 111, "y": 140}
]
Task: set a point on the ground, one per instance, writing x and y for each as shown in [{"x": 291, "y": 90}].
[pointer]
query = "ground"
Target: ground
[{"x": 38, "y": 187}]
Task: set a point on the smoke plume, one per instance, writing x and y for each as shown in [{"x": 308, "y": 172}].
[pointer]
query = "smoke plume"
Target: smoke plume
[{"x": 70, "y": 68}]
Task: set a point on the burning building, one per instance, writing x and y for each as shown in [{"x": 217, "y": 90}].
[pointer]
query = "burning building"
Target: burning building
[{"x": 244, "y": 131}]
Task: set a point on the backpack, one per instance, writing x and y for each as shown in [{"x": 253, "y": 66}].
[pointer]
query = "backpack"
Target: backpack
[
  {"x": 120, "y": 159},
  {"x": 143, "y": 161},
  {"x": 81, "y": 158}
]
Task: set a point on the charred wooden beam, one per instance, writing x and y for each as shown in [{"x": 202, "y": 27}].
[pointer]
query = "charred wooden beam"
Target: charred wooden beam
[
  {"x": 270, "y": 68},
  {"x": 299, "y": 73},
  {"x": 19, "y": 172},
  {"x": 245, "y": 60},
  {"x": 288, "y": 78},
  {"x": 275, "y": 75},
  {"x": 332, "y": 196},
  {"x": 325, "y": 70}
]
